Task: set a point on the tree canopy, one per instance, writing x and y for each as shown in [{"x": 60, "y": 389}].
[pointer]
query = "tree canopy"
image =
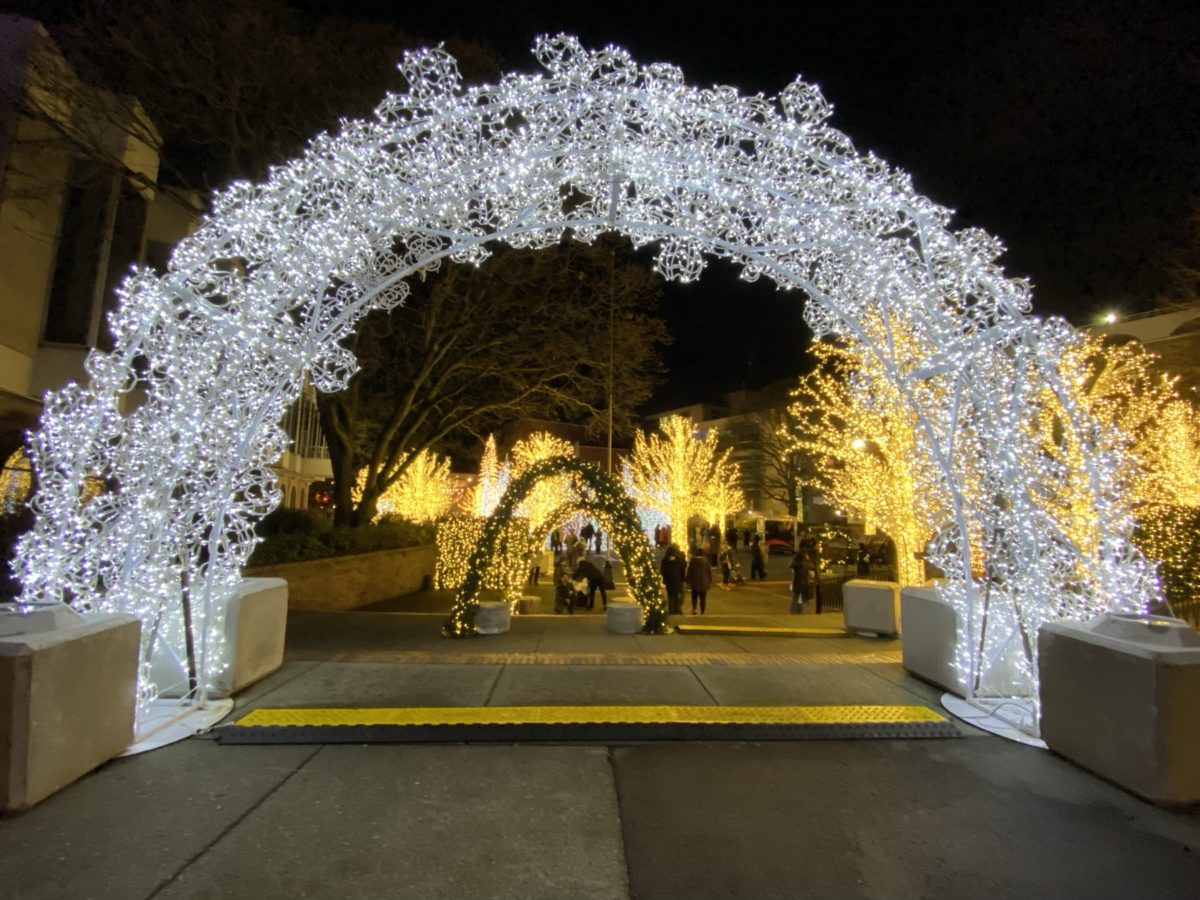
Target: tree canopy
[
  {"x": 237, "y": 86},
  {"x": 526, "y": 334}
]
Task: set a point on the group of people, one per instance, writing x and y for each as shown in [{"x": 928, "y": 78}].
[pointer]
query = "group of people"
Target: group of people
[
  {"x": 576, "y": 578},
  {"x": 696, "y": 573}
]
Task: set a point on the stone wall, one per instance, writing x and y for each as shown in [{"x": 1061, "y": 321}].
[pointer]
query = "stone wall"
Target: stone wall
[{"x": 346, "y": 582}]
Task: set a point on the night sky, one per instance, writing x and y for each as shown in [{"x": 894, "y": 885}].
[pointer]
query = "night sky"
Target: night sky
[{"x": 1069, "y": 129}]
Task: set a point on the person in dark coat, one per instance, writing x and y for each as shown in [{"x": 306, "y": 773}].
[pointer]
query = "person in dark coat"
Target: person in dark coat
[
  {"x": 674, "y": 572},
  {"x": 731, "y": 535},
  {"x": 758, "y": 559},
  {"x": 804, "y": 581},
  {"x": 595, "y": 579},
  {"x": 699, "y": 578}
]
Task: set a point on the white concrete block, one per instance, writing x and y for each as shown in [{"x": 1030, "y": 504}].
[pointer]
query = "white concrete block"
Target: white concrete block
[
  {"x": 624, "y": 617},
  {"x": 255, "y": 629},
  {"x": 871, "y": 606},
  {"x": 930, "y": 628},
  {"x": 67, "y": 699},
  {"x": 493, "y": 617},
  {"x": 1119, "y": 696}
]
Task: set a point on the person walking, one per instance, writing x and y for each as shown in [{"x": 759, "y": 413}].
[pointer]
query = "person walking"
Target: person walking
[
  {"x": 804, "y": 581},
  {"x": 758, "y": 559},
  {"x": 674, "y": 572},
  {"x": 595, "y": 579},
  {"x": 699, "y": 578}
]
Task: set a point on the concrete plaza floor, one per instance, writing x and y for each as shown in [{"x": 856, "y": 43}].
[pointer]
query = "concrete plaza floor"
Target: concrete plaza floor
[{"x": 977, "y": 816}]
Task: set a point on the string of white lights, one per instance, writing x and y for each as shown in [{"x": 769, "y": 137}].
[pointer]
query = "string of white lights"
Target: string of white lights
[{"x": 280, "y": 273}]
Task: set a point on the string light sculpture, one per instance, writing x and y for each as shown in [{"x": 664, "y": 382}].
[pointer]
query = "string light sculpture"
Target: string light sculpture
[
  {"x": 264, "y": 292},
  {"x": 595, "y": 494}
]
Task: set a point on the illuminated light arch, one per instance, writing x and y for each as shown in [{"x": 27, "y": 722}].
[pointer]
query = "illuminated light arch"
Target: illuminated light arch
[
  {"x": 595, "y": 494},
  {"x": 261, "y": 295}
]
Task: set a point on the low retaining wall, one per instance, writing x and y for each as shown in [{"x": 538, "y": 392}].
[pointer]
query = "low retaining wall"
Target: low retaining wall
[{"x": 346, "y": 582}]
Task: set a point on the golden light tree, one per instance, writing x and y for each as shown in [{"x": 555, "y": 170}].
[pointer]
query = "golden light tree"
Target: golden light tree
[
  {"x": 548, "y": 502},
  {"x": 679, "y": 472},
  {"x": 423, "y": 493},
  {"x": 16, "y": 482},
  {"x": 492, "y": 480},
  {"x": 863, "y": 443},
  {"x": 1122, "y": 387}
]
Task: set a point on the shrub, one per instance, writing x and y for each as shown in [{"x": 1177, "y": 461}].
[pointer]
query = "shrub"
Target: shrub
[{"x": 297, "y": 535}]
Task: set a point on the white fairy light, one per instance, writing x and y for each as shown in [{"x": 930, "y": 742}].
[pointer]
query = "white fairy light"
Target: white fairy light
[{"x": 281, "y": 272}]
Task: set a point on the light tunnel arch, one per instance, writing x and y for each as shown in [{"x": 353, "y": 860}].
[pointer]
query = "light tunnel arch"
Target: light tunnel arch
[
  {"x": 592, "y": 492},
  {"x": 261, "y": 295}
]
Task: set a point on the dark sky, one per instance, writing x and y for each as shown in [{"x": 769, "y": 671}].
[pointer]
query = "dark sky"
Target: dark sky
[{"x": 1069, "y": 129}]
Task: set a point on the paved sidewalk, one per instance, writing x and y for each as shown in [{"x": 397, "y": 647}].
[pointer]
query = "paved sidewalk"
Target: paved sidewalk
[{"x": 871, "y": 819}]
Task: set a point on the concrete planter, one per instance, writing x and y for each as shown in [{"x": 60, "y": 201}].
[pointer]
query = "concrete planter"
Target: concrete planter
[
  {"x": 67, "y": 695},
  {"x": 255, "y": 628},
  {"x": 493, "y": 617},
  {"x": 872, "y": 607},
  {"x": 623, "y": 617},
  {"x": 1120, "y": 696},
  {"x": 930, "y": 628}
]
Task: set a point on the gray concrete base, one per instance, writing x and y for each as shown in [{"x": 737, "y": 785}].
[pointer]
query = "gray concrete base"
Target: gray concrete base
[
  {"x": 871, "y": 606},
  {"x": 66, "y": 703},
  {"x": 493, "y": 617},
  {"x": 930, "y": 637},
  {"x": 255, "y": 630},
  {"x": 1122, "y": 698},
  {"x": 624, "y": 616}
]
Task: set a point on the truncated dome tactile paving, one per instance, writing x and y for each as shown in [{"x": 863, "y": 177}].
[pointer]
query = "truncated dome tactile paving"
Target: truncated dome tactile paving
[{"x": 475, "y": 724}]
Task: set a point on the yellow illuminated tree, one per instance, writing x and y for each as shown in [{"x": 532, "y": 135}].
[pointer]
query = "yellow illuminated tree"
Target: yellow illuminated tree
[
  {"x": 1122, "y": 387},
  {"x": 550, "y": 498},
  {"x": 679, "y": 472},
  {"x": 491, "y": 482},
  {"x": 862, "y": 440},
  {"x": 423, "y": 493}
]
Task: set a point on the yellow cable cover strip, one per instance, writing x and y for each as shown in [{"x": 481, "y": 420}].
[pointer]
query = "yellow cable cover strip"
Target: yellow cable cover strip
[{"x": 515, "y": 715}]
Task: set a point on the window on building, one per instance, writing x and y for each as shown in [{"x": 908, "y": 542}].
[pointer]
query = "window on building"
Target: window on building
[{"x": 82, "y": 250}]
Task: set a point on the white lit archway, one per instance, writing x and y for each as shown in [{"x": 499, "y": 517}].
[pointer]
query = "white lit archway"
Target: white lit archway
[{"x": 282, "y": 271}]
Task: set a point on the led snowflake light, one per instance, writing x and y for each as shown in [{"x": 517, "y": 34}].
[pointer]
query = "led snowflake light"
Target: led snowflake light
[{"x": 280, "y": 273}]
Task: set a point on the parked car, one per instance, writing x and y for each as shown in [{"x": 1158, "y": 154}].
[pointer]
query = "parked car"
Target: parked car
[{"x": 780, "y": 545}]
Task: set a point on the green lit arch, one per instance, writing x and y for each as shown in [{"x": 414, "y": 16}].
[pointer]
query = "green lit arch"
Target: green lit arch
[{"x": 599, "y": 496}]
